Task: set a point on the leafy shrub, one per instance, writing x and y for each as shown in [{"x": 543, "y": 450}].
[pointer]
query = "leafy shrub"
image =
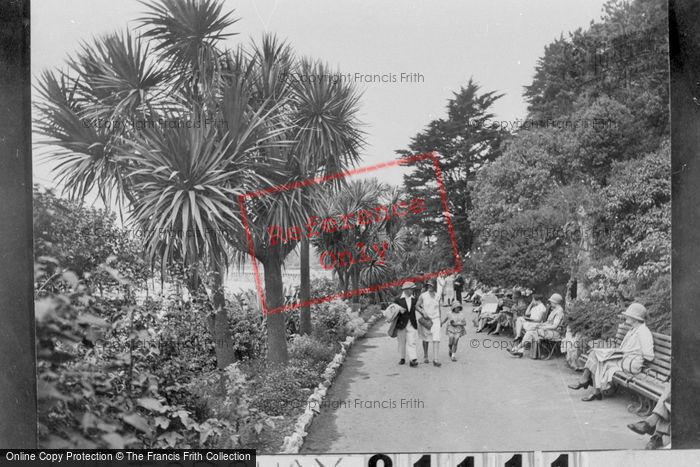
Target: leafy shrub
[
  {"x": 372, "y": 310},
  {"x": 307, "y": 374},
  {"x": 356, "y": 325},
  {"x": 323, "y": 287},
  {"x": 231, "y": 420},
  {"x": 278, "y": 391},
  {"x": 247, "y": 327},
  {"x": 309, "y": 349},
  {"x": 112, "y": 374},
  {"x": 594, "y": 319},
  {"x": 657, "y": 299},
  {"x": 329, "y": 320},
  {"x": 611, "y": 283},
  {"x": 86, "y": 241}
]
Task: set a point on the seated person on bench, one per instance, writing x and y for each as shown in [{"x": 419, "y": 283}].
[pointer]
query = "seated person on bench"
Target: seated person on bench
[
  {"x": 504, "y": 314},
  {"x": 637, "y": 348},
  {"x": 489, "y": 310},
  {"x": 533, "y": 315},
  {"x": 550, "y": 329},
  {"x": 658, "y": 424}
]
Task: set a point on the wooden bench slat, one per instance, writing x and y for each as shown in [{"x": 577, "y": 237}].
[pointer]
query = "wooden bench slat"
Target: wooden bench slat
[
  {"x": 653, "y": 386},
  {"x": 665, "y": 358},
  {"x": 655, "y": 369},
  {"x": 662, "y": 345}
]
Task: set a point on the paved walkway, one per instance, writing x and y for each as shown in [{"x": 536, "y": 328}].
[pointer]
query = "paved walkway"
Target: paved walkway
[{"x": 486, "y": 401}]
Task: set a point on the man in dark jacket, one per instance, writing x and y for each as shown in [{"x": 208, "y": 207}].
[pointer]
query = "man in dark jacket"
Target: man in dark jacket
[
  {"x": 458, "y": 286},
  {"x": 406, "y": 325}
]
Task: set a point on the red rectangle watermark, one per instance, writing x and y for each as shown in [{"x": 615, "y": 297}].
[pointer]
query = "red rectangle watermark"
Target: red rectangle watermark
[{"x": 412, "y": 207}]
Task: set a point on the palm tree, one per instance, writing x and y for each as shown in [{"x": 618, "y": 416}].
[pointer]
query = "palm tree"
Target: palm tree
[
  {"x": 358, "y": 195},
  {"x": 272, "y": 66},
  {"x": 181, "y": 183},
  {"x": 328, "y": 141}
]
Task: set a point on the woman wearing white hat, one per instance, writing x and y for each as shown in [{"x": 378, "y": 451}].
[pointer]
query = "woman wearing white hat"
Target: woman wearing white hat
[
  {"x": 550, "y": 329},
  {"x": 637, "y": 348}
]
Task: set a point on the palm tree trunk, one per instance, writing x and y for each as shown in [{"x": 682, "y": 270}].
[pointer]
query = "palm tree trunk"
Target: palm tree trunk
[
  {"x": 223, "y": 341},
  {"x": 355, "y": 276},
  {"x": 276, "y": 329},
  {"x": 304, "y": 288}
]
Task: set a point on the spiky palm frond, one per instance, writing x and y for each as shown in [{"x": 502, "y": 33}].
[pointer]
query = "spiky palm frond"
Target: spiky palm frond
[
  {"x": 186, "y": 183},
  {"x": 119, "y": 79},
  {"x": 329, "y": 135},
  {"x": 376, "y": 273},
  {"x": 84, "y": 152},
  {"x": 275, "y": 63},
  {"x": 187, "y": 34}
]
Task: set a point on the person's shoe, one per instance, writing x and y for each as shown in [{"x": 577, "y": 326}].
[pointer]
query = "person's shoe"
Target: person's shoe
[
  {"x": 655, "y": 442},
  {"x": 641, "y": 428},
  {"x": 516, "y": 353},
  {"x": 454, "y": 359},
  {"x": 413, "y": 363},
  {"x": 580, "y": 385},
  {"x": 497, "y": 333},
  {"x": 596, "y": 396},
  {"x": 479, "y": 330},
  {"x": 425, "y": 360},
  {"x": 436, "y": 363},
  {"x": 402, "y": 361}
]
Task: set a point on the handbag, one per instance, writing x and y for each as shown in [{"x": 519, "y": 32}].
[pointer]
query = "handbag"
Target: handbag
[
  {"x": 392, "y": 332},
  {"x": 424, "y": 321}
]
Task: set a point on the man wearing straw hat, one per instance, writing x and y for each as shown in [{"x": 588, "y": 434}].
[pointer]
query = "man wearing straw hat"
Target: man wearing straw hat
[
  {"x": 637, "y": 348},
  {"x": 406, "y": 325}
]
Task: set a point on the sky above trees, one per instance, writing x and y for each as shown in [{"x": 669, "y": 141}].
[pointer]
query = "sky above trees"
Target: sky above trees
[{"x": 496, "y": 43}]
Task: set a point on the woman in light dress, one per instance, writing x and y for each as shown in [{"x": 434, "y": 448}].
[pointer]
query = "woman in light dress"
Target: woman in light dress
[{"x": 428, "y": 305}]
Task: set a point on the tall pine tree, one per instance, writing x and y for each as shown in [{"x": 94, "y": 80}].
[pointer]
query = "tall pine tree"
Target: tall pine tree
[{"x": 465, "y": 140}]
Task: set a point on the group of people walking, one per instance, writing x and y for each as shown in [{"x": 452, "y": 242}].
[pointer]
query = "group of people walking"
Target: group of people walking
[{"x": 417, "y": 315}]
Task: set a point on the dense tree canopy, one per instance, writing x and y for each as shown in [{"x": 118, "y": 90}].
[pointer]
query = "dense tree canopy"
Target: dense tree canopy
[
  {"x": 597, "y": 161},
  {"x": 465, "y": 140}
]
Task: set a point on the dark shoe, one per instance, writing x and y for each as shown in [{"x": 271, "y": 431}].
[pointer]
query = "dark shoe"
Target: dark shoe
[
  {"x": 436, "y": 363},
  {"x": 580, "y": 385},
  {"x": 596, "y": 396},
  {"x": 479, "y": 330},
  {"x": 402, "y": 361},
  {"x": 641, "y": 428},
  {"x": 414, "y": 363},
  {"x": 516, "y": 353},
  {"x": 655, "y": 442}
]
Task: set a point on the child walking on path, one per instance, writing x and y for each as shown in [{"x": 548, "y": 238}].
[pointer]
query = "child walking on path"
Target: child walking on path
[{"x": 456, "y": 328}]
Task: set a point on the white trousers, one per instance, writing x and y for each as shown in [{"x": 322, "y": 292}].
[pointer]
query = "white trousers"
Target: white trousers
[{"x": 406, "y": 338}]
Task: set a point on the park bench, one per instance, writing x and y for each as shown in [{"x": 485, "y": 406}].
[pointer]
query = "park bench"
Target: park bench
[{"x": 650, "y": 383}]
